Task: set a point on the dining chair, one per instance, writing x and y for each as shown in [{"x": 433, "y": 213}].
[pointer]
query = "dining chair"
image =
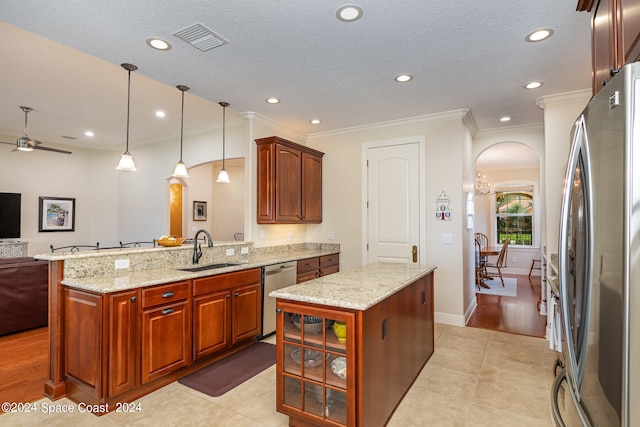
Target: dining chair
[
  {"x": 501, "y": 261},
  {"x": 483, "y": 241},
  {"x": 479, "y": 265}
]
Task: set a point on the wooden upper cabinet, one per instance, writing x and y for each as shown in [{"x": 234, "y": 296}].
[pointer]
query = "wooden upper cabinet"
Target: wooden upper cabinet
[
  {"x": 615, "y": 26},
  {"x": 630, "y": 30},
  {"x": 289, "y": 182}
]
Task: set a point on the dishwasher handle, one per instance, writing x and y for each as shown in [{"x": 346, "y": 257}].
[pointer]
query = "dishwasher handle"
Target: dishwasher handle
[{"x": 282, "y": 268}]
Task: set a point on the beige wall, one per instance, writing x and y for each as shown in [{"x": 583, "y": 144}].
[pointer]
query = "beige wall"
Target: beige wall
[{"x": 560, "y": 113}]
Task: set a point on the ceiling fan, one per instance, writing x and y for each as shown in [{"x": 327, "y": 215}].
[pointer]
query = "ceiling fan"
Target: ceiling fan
[{"x": 25, "y": 143}]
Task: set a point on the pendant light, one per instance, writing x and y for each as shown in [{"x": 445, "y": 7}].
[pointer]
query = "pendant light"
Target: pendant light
[
  {"x": 223, "y": 176},
  {"x": 126, "y": 160},
  {"x": 181, "y": 169}
]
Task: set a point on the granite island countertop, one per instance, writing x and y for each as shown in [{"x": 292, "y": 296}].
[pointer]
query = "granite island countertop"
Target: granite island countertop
[
  {"x": 94, "y": 270},
  {"x": 359, "y": 288}
]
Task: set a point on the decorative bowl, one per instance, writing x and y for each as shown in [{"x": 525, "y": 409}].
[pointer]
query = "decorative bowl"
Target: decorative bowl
[
  {"x": 311, "y": 357},
  {"x": 340, "y": 329},
  {"x": 339, "y": 367},
  {"x": 170, "y": 241},
  {"x": 312, "y": 324}
]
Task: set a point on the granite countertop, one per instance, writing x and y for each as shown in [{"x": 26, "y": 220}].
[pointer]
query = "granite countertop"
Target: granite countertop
[
  {"x": 105, "y": 279},
  {"x": 358, "y": 288}
]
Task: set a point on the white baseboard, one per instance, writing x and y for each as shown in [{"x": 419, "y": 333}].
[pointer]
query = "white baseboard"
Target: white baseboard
[{"x": 449, "y": 319}]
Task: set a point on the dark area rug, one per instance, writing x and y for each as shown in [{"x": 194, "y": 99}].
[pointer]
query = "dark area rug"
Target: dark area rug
[{"x": 222, "y": 376}]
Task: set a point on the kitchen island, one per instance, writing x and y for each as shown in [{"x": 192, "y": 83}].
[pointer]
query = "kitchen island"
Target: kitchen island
[
  {"x": 326, "y": 378},
  {"x": 125, "y": 322}
]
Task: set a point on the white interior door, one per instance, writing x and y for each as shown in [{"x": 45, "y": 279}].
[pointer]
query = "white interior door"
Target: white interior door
[{"x": 393, "y": 194}]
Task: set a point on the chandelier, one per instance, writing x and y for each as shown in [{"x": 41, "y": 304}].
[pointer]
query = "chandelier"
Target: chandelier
[{"x": 481, "y": 186}]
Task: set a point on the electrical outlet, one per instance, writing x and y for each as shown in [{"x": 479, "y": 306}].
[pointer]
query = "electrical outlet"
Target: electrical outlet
[
  {"x": 290, "y": 236},
  {"x": 231, "y": 252},
  {"x": 244, "y": 250},
  {"x": 331, "y": 235},
  {"x": 447, "y": 239},
  {"x": 122, "y": 263},
  {"x": 514, "y": 259}
]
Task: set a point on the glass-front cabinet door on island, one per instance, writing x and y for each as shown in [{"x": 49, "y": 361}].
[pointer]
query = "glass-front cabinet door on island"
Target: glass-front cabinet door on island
[{"x": 316, "y": 364}]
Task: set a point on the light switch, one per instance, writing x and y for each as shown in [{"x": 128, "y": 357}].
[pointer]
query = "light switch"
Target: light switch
[{"x": 447, "y": 239}]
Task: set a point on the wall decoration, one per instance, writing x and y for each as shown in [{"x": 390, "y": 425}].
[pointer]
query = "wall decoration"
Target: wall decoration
[
  {"x": 199, "y": 211},
  {"x": 57, "y": 214},
  {"x": 443, "y": 211}
]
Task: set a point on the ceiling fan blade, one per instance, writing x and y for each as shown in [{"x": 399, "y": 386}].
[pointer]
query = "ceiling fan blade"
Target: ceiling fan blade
[
  {"x": 55, "y": 150},
  {"x": 8, "y": 143}
]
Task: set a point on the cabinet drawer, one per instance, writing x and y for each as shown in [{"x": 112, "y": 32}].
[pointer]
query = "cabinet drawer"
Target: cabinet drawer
[
  {"x": 309, "y": 264},
  {"x": 165, "y": 294},
  {"x": 220, "y": 282},
  {"x": 329, "y": 270},
  {"x": 329, "y": 260}
]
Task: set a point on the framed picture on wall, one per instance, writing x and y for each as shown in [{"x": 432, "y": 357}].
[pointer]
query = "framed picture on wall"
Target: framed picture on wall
[
  {"x": 199, "y": 211},
  {"x": 56, "y": 214}
]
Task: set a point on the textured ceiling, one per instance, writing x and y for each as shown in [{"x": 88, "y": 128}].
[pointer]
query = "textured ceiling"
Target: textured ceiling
[{"x": 63, "y": 59}]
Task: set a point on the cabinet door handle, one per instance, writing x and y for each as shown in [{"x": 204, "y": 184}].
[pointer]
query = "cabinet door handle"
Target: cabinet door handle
[
  {"x": 167, "y": 311},
  {"x": 424, "y": 297},
  {"x": 307, "y": 265},
  {"x": 278, "y": 310},
  {"x": 228, "y": 295},
  {"x": 134, "y": 299},
  {"x": 167, "y": 295},
  {"x": 236, "y": 294}
]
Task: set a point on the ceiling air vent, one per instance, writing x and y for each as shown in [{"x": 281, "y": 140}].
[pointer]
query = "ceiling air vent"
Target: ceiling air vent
[{"x": 200, "y": 37}]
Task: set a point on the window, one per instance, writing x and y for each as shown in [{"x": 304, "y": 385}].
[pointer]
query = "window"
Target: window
[{"x": 514, "y": 216}]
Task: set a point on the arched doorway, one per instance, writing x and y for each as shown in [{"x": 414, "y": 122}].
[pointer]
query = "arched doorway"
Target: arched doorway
[
  {"x": 224, "y": 203},
  {"x": 511, "y": 177}
]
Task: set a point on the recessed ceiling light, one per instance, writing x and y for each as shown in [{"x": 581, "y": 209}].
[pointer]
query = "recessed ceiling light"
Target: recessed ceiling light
[
  {"x": 533, "y": 85},
  {"x": 539, "y": 35},
  {"x": 160, "y": 114},
  {"x": 505, "y": 118},
  {"x": 315, "y": 121},
  {"x": 349, "y": 13},
  {"x": 158, "y": 44},
  {"x": 402, "y": 78},
  {"x": 88, "y": 133},
  {"x": 272, "y": 100}
]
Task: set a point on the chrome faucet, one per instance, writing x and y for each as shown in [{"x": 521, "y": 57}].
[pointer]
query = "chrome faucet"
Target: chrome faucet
[{"x": 197, "y": 249}]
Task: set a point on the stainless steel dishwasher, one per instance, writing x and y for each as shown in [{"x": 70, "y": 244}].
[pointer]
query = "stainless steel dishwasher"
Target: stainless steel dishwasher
[{"x": 276, "y": 276}]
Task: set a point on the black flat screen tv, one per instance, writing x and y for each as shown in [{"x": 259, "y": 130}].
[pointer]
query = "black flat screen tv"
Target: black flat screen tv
[{"x": 10, "y": 215}]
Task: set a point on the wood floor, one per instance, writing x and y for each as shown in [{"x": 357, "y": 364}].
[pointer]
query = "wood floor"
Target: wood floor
[
  {"x": 23, "y": 365},
  {"x": 23, "y": 356},
  {"x": 517, "y": 315}
]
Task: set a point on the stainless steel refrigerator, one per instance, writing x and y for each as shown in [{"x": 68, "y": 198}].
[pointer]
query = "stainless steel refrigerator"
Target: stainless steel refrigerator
[{"x": 598, "y": 380}]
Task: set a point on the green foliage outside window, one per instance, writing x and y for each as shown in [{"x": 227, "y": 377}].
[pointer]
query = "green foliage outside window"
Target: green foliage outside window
[{"x": 514, "y": 217}]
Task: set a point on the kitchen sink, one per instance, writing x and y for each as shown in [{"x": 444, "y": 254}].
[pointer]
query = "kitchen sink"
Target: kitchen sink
[{"x": 209, "y": 266}]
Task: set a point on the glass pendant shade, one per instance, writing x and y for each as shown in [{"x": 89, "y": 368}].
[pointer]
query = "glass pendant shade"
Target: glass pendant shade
[
  {"x": 126, "y": 160},
  {"x": 181, "y": 169},
  {"x": 223, "y": 177},
  {"x": 126, "y": 163}
]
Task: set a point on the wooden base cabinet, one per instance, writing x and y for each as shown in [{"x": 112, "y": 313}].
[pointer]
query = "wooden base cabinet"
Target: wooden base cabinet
[
  {"x": 312, "y": 268},
  {"x": 308, "y": 390},
  {"x": 227, "y": 310},
  {"x": 386, "y": 347},
  {"x": 119, "y": 346}
]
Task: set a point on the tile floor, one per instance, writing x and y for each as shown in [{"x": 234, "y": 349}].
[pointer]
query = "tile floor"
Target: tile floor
[{"x": 475, "y": 377}]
